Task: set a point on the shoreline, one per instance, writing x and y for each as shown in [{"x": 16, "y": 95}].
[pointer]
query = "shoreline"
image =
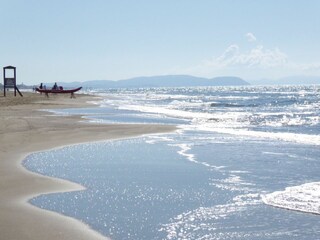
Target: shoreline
[{"x": 24, "y": 130}]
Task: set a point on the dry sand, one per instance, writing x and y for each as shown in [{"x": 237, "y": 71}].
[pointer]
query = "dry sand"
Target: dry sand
[{"x": 25, "y": 129}]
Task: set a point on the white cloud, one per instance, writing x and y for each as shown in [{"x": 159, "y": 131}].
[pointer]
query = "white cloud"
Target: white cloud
[
  {"x": 229, "y": 53},
  {"x": 256, "y": 62},
  {"x": 250, "y": 37},
  {"x": 258, "y": 57}
]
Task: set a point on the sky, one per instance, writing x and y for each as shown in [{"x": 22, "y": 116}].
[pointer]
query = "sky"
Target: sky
[{"x": 77, "y": 40}]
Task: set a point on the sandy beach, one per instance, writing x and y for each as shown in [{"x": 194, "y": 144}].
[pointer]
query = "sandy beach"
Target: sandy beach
[{"x": 25, "y": 129}]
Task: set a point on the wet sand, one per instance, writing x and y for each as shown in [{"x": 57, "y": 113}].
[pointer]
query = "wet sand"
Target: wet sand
[{"x": 25, "y": 129}]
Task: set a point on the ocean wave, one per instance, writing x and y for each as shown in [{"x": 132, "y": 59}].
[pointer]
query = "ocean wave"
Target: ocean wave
[
  {"x": 282, "y": 136},
  {"x": 279, "y": 113},
  {"x": 303, "y": 198},
  {"x": 230, "y": 105}
]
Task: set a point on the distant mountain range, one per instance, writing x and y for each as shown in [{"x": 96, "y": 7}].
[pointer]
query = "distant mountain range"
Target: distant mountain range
[
  {"x": 158, "y": 81},
  {"x": 181, "y": 81}
]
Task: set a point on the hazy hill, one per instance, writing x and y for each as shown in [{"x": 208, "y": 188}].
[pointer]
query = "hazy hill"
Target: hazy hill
[{"x": 158, "y": 81}]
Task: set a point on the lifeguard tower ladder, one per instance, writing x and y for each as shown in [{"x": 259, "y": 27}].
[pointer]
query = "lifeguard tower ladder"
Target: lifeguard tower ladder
[{"x": 10, "y": 82}]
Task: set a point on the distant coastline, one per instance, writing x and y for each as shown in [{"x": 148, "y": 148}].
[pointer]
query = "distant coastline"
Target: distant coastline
[
  {"x": 180, "y": 81},
  {"x": 159, "y": 81}
]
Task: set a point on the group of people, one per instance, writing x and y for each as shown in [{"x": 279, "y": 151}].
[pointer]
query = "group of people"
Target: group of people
[{"x": 55, "y": 86}]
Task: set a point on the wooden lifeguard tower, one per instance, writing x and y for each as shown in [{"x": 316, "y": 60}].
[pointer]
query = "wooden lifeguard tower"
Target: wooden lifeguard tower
[{"x": 10, "y": 82}]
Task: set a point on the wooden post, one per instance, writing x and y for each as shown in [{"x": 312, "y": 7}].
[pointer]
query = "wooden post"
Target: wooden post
[{"x": 4, "y": 86}]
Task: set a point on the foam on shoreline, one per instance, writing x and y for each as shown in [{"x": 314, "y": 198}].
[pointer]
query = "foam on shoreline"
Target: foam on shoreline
[{"x": 303, "y": 198}]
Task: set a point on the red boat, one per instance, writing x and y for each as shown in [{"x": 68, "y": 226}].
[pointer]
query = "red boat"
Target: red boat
[{"x": 47, "y": 91}]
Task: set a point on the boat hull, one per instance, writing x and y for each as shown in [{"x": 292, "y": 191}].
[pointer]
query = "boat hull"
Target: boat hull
[{"x": 58, "y": 90}]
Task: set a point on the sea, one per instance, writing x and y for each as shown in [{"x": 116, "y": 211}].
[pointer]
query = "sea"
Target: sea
[{"x": 244, "y": 163}]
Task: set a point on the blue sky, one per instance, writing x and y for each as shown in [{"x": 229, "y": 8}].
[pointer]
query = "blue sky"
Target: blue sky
[{"x": 69, "y": 40}]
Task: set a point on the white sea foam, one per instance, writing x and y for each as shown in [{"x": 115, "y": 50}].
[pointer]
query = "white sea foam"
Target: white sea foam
[
  {"x": 226, "y": 120},
  {"x": 235, "y": 119},
  {"x": 283, "y": 136},
  {"x": 283, "y": 154},
  {"x": 192, "y": 158},
  {"x": 304, "y": 198},
  {"x": 235, "y": 123},
  {"x": 233, "y": 183}
]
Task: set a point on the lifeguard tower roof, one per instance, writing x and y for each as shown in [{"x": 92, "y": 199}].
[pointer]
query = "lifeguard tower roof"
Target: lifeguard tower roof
[{"x": 9, "y": 67}]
